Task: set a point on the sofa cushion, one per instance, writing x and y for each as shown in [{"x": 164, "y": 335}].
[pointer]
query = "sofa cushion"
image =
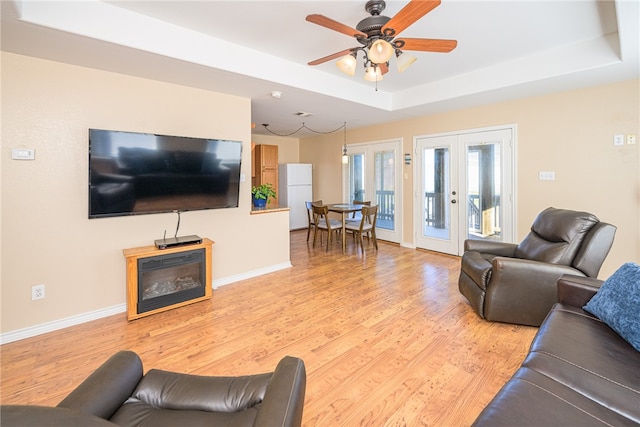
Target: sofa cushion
[
  {"x": 533, "y": 399},
  {"x": 617, "y": 303},
  {"x": 578, "y": 372},
  {"x": 138, "y": 413},
  {"x": 582, "y": 353}
]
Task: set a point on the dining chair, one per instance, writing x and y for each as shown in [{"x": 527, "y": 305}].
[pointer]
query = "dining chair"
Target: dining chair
[
  {"x": 357, "y": 215},
  {"x": 324, "y": 223},
  {"x": 311, "y": 224},
  {"x": 367, "y": 226}
]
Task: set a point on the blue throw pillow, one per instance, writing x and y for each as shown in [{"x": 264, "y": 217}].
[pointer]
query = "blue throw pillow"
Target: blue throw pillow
[{"x": 617, "y": 303}]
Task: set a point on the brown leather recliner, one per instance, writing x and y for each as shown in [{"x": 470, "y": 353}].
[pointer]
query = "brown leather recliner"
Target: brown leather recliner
[
  {"x": 516, "y": 283},
  {"x": 119, "y": 392}
]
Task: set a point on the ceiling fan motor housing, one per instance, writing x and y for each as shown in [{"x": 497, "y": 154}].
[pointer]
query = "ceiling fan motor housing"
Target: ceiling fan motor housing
[{"x": 373, "y": 24}]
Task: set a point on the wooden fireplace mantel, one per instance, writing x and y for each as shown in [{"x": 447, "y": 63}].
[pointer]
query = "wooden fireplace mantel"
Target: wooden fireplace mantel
[{"x": 132, "y": 256}]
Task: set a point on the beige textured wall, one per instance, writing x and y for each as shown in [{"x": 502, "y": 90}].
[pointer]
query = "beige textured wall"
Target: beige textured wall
[
  {"x": 288, "y": 148},
  {"x": 46, "y": 235},
  {"x": 570, "y": 133}
]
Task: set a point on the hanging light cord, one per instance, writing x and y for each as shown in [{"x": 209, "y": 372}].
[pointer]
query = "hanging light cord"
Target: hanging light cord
[{"x": 266, "y": 126}]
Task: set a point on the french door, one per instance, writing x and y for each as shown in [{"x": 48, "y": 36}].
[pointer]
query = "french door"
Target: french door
[
  {"x": 374, "y": 174},
  {"x": 465, "y": 185}
]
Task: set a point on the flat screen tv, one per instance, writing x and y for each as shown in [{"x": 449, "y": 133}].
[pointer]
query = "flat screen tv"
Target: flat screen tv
[{"x": 139, "y": 173}]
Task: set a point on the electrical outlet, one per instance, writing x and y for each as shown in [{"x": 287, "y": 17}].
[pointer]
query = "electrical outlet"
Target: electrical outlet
[
  {"x": 37, "y": 292},
  {"x": 618, "y": 140}
]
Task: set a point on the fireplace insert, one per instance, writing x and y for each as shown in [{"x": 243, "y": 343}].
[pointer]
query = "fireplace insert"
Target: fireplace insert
[{"x": 165, "y": 280}]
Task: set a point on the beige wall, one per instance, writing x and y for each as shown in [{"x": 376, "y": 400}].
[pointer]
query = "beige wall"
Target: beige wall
[
  {"x": 47, "y": 238},
  {"x": 46, "y": 235},
  {"x": 570, "y": 133},
  {"x": 288, "y": 148}
]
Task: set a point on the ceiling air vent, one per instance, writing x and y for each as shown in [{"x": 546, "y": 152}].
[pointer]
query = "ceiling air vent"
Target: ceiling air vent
[{"x": 303, "y": 114}]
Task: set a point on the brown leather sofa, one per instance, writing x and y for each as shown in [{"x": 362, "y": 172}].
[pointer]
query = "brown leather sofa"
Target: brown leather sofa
[
  {"x": 516, "y": 283},
  {"x": 578, "y": 372},
  {"x": 119, "y": 392}
]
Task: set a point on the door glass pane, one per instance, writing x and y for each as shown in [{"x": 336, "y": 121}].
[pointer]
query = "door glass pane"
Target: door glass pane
[
  {"x": 437, "y": 210},
  {"x": 385, "y": 188},
  {"x": 356, "y": 177},
  {"x": 483, "y": 189}
]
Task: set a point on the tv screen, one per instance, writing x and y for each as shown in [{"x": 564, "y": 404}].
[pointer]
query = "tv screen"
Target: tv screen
[{"x": 139, "y": 173}]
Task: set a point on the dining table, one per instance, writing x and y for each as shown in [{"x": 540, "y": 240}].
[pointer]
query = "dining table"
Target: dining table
[{"x": 345, "y": 209}]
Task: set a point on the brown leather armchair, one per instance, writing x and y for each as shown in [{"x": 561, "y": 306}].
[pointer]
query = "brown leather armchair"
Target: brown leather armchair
[
  {"x": 119, "y": 392},
  {"x": 516, "y": 283}
]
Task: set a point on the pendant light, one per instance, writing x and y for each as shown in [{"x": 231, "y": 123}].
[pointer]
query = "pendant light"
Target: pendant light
[{"x": 345, "y": 156}]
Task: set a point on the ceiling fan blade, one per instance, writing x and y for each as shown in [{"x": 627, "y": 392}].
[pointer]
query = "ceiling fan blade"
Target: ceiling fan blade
[
  {"x": 409, "y": 14},
  {"x": 384, "y": 68},
  {"x": 330, "y": 57},
  {"x": 429, "y": 45},
  {"x": 329, "y": 23}
]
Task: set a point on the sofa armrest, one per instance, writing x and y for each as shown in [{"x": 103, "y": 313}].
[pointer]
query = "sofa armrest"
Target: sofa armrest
[
  {"x": 283, "y": 403},
  {"x": 104, "y": 391},
  {"x": 31, "y": 415},
  {"x": 577, "y": 290},
  {"x": 489, "y": 247},
  {"x": 476, "y": 267}
]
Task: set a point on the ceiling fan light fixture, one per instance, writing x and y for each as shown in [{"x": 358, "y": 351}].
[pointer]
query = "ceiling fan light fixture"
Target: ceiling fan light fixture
[
  {"x": 380, "y": 51},
  {"x": 373, "y": 74},
  {"x": 404, "y": 60},
  {"x": 347, "y": 64}
]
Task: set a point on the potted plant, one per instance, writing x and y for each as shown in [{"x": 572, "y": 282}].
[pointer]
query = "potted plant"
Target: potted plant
[{"x": 261, "y": 194}]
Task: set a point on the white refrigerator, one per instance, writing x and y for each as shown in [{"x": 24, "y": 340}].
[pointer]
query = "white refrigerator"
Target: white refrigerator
[{"x": 294, "y": 188}]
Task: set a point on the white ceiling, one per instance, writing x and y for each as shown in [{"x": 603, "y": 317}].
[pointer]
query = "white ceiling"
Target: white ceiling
[{"x": 506, "y": 49}]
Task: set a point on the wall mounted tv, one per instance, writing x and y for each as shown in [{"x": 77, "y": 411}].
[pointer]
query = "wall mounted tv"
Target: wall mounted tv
[{"x": 140, "y": 173}]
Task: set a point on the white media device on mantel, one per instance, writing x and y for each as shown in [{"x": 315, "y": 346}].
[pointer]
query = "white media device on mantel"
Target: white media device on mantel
[{"x": 294, "y": 188}]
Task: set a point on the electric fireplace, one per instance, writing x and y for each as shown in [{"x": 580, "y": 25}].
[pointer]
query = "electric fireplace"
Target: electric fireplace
[
  {"x": 161, "y": 279},
  {"x": 170, "y": 279}
]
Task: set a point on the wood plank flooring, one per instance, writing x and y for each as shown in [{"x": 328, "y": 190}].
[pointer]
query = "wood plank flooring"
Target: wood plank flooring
[{"x": 387, "y": 339}]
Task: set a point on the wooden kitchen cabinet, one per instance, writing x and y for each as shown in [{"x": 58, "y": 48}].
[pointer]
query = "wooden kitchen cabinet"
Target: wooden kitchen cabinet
[{"x": 265, "y": 164}]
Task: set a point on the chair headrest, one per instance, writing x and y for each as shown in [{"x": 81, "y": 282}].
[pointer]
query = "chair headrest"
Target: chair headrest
[
  {"x": 562, "y": 225},
  {"x": 556, "y": 236}
]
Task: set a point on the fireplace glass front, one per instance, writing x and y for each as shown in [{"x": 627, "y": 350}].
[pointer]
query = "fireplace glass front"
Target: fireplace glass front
[{"x": 166, "y": 280}]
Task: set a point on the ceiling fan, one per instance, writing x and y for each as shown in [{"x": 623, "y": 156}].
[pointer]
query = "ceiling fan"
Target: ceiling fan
[{"x": 377, "y": 36}]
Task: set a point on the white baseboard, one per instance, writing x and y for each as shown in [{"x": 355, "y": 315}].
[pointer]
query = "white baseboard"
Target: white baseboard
[
  {"x": 250, "y": 274},
  {"x": 43, "y": 328}
]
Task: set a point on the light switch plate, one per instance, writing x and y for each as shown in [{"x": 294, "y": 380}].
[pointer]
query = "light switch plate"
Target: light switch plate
[
  {"x": 547, "y": 176},
  {"x": 618, "y": 140},
  {"x": 23, "y": 154}
]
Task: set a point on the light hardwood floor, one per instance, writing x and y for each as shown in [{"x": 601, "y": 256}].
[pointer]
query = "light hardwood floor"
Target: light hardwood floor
[{"x": 386, "y": 338}]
